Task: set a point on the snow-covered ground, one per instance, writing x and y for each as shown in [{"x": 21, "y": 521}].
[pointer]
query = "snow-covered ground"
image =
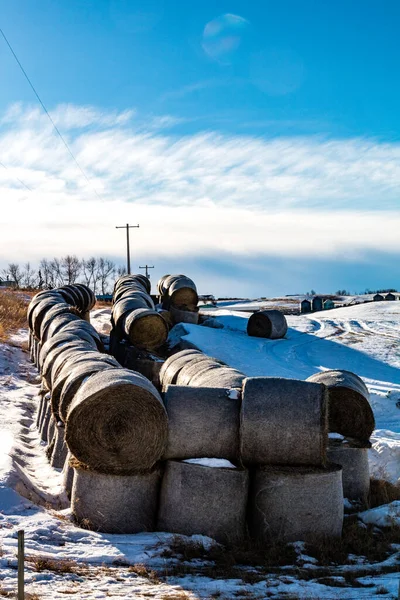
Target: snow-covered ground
[{"x": 362, "y": 338}]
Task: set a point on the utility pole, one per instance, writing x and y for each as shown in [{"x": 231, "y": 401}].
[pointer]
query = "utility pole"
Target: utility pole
[
  {"x": 128, "y": 257},
  {"x": 147, "y": 270}
]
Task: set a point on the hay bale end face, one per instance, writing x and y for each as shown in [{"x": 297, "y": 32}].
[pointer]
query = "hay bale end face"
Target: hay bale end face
[
  {"x": 197, "y": 499},
  {"x": 115, "y": 503},
  {"x": 267, "y": 324},
  {"x": 290, "y": 504},
  {"x": 202, "y": 422},
  {"x": 146, "y": 329},
  {"x": 283, "y": 421},
  {"x": 350, "y": 413},
  {"x": 117, "y": 423}
]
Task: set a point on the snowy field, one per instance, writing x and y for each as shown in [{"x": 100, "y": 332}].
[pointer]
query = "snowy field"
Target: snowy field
[{"x": 364, "y": 339}]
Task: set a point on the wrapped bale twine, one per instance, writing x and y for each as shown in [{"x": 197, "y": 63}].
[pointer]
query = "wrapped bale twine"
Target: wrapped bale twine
[
  {"x": 60, "y": 450},
  {"x": 350, "y": 413},
  {"x": 290, "y": 504},
  {"x": 283, "y": 422},
  {"x": 199, "y": 499},
  {"x": 90, "y": 361},
  {"x": 267, "y": 324},
  {"x": 117, "y": 423},
  {"x": 115, "y": 503},
  {"x": 202, "y": 422},
  {"x": 180, "y": 315},
  {"x": 218, "y": 376},
  {"x": 355, "y": 476},
  {"x": 145, "y": 328},
  {"x": 168, "y": 362}
]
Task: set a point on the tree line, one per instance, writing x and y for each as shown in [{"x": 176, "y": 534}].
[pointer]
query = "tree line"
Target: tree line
[{"x": 98, "y": 273}]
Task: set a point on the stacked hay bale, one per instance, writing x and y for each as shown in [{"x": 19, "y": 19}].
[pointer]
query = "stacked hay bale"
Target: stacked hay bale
[
  {"x": 110, "y": 421},
  {"x": 178, "y": 296},
  {"x": 351, "y": 423}
]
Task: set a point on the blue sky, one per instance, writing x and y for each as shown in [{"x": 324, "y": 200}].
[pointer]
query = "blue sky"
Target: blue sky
[{"x": 209, "y": 117}]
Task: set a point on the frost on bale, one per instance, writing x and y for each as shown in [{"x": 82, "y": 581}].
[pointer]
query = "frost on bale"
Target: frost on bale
[
  {"x": 289, "y": 504},
  {"x": 115, "y": 503},
  {"x": 117, "y": 423},
  {"x": 202, "y": 422},
  {"x": 198, "y": 499},
  {"x": 267, "y": 324},
  {"x": 283, "y": 421},
  {"x": 350, "y": 413}
]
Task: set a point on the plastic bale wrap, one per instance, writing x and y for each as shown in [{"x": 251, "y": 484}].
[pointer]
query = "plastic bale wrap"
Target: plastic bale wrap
[
  {"x": 218, "y": 376},
  {"x": 350, "y": 413},
  {"x": 283, "y": 421},
  {"x": 289, "y": 504},
  {"x": 171, "y": 359},
  {"x": 116, "y": 503},
  {"x": 59, "y": 340},
  {"x": 145, "y": 328},
  {"x": 202, "y": 422},
  {"x": 194, "y": 366},
  {"x": 267, "y": 324},
  {"x": 197, "y": 499},
  {"x": 173, "y": 365},
  {"x": 355, "y": 476},
  {"x": 117, "y": 423},
  {"x": 51, "y": 357},
  {"x": 83, "y": 330}
]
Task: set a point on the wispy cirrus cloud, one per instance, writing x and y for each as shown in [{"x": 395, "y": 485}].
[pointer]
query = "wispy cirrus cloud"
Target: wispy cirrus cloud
[{"x": 195, "y": 195}]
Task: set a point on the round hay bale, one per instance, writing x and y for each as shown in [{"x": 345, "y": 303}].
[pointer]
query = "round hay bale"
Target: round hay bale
[
  {"x": 60, "y": 339},
  {"x": 126, "y": 305},
  {"x": 289, "y": 504},
  {"x": 350, "y": 413},
  {"x": 283, "y": 421},
  {"x": 70, "y": 291},
  {"x": 90, "y": 360},
  {"x": 195, "y": 365},
  {"x": 202, "y": 422},
  {"x": 68, "y": 475},
  {"x": 117, "y": 423},
  {"x": 89, "y": 295},
  {"x": 138, "y": 279},
  {"x": 55, "y": 296},
  {"x": 145, "y": 328},
  {"x": 78, "y": 327},
  {"x": 198, "y": 499},
  {"x": 166, "y": 315},
  {"x": 46, "y": 400},
  {"x": 179, "y": 291},
  {"x": 116, "y": 503},
  {"x": 168, "y": 362},
  {"x": 54, "y": 324},
  {"x": 267, "y": 324},
  {"x": 60, "y": 449},
  {"x": 355, "y": 476},
  {"x": 180, "y": 315},
  {"x": 55, "y": 352},
  {"x": 218, "y": 376},
  {"x": 39, "y": 313}
]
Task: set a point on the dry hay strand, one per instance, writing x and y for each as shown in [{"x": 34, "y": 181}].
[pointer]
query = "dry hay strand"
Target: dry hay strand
[
  {"x": 355, "y": 475},
  {"x": 202, "y": 422},
  {"x": 146, "y": 329},
  {"x": 196, "y": 499},
  {"x": 166, "y": 315},
  {"x": 115, "y": 503},
  {"x": 195, "y": 365},
  {"x": 350, "y": 413},
  {"x": 218, "y": 376},
  {"x": 174, "y": 357},
  {"x": 91, "y": 362},
  {"x": 117, "y": 423},
  {"x": 184, "y": 296},
  {"x": 267, "y": 324},
  {"x": 283, "y": 421},
  {"x": 289, "y": 504}
]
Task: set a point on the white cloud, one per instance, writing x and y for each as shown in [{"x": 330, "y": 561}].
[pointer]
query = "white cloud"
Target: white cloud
[{"x": 194, "y": 195}]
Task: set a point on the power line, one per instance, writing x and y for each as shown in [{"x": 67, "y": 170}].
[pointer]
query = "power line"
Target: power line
[
  {"x": 147, "y": 270},
  {"x": 17, "y": 178},
  {"x": 128, "y": 255},
  {"x": 47, "y": 113}
]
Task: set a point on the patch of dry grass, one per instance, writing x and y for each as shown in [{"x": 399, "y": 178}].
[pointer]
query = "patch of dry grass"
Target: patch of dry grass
[
  {"x": 143, "y": 571},
  {"x": 13, "y": 307},
  {"x": 42, "y": 563},
  {"x": 382, "y": 492}
]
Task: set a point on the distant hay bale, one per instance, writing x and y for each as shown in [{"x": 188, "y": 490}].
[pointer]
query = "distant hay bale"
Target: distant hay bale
[
  {"x": 355, "y": 475},
  {"x": 89, "y": 360},
  {"x": 117, "y": 423},
  {"x": 289, "y": 504},
  {"x": 60, "y": 450},
  {"x": 178, "y": 291},
  {"x": 116, "y": 503},
  {"x": 283, "y": 421},
  {"x": 202, "y": 422},
  {"x": 146, "y": 329},
  {"x": 197, "y": 499},
  {"x": 350, "y": 413},
  {"x": 136, "y": 279},
  {"x": 180, "y": 315},
  {"x": 267, "y": 324}
]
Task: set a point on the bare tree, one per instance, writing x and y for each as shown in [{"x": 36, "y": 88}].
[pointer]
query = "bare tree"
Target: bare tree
[
  {"x": 106, "y": 268},
  {"x": 28, "y": 276},
  {"x": 70, "y": 268},
  {"x": 89, "y": 271},
  {"x": 14, "y": 273},
  {"x": 56, "y": 276},
  {"x": 46, "y": 274}
]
